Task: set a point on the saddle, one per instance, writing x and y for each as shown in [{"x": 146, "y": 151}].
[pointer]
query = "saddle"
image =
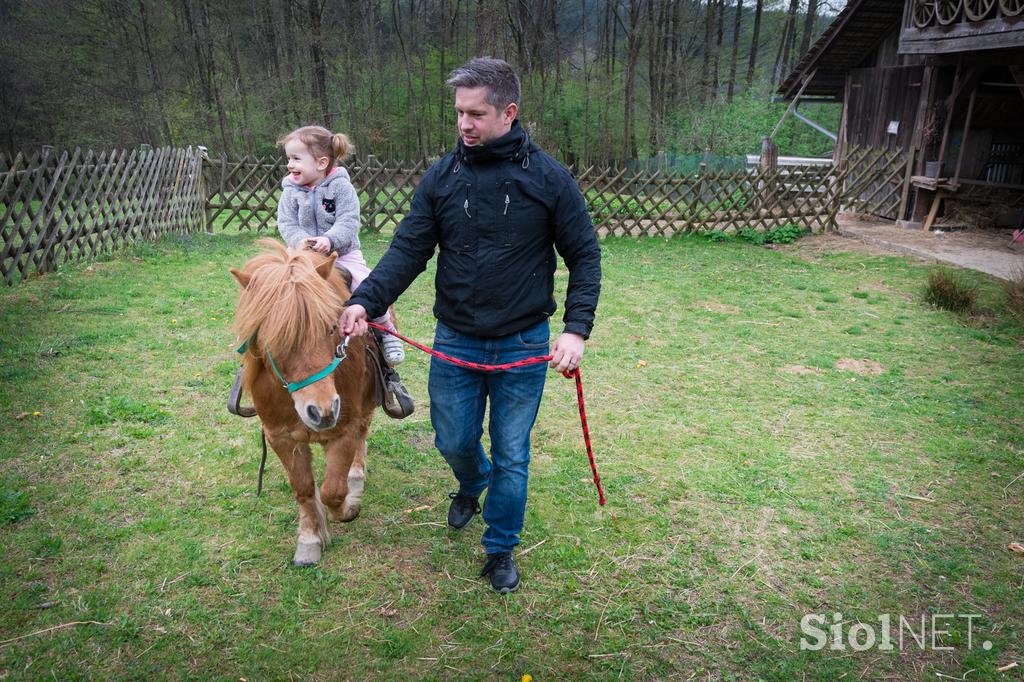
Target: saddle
[{"x": 391, "y": 394}]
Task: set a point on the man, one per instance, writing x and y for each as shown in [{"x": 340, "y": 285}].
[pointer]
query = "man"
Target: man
[{"x": 495, "y": 206}]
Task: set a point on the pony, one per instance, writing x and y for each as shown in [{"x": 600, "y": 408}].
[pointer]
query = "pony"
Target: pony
[{"x": 308, "y": 385}]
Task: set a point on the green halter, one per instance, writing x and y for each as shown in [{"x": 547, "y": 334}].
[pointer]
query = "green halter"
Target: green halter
[{"x": 340, "y": 353}]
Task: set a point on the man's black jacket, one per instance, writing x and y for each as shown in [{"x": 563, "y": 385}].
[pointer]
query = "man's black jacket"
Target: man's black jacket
[{"x": 496, "y": 211}]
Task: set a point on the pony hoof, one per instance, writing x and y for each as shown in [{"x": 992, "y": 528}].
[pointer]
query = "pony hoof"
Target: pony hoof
[
  {"x": 348, "y": 514},
  {"x": 307, "y": 553}
]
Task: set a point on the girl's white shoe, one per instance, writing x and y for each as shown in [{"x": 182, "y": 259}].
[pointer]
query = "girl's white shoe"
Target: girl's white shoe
[{"x": 394, "y": 350}]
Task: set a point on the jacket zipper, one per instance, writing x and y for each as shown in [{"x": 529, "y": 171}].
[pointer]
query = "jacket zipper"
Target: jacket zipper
[{"x": 508, "y": 222}]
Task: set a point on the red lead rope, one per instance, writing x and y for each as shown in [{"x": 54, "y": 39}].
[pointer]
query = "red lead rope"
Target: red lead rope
[{"x": 568, "y": 374}]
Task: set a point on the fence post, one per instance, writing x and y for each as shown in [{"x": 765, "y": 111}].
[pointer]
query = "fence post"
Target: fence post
[
  {"x": 371, "y": 192},
  {"x": 905, "y": 194},
  {"x": 203, "y": 167}
]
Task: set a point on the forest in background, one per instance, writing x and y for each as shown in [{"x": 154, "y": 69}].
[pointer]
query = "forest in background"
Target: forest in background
[{"x": 603, "y": 80}]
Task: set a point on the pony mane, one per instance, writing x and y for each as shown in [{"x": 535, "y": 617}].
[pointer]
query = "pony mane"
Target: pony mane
[{"x": 287, "y": 304}]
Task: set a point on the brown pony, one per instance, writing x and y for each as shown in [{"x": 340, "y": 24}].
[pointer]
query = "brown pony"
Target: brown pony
[{"x": 288, "y": 312}]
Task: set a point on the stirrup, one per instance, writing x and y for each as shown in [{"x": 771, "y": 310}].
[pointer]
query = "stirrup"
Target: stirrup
[
  {"x": 397, "y": 404},
  {"x": 235, "y": 398}
]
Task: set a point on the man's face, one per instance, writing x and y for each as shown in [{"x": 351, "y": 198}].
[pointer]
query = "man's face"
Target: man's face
[{"x": 478, "y": 121}]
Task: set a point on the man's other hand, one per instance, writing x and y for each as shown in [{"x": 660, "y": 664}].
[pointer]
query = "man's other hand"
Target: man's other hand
[{"x": 567, "y": 353}]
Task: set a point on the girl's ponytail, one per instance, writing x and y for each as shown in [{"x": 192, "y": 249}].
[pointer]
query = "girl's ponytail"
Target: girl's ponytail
[{"x": 341, "y": 146}]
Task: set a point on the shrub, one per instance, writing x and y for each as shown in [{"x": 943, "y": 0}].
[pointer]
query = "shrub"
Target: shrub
[
  {"x": 951, "y": 292},
  {"x": 1013, "y": 295},
  {"x": 787, "y": 234}
]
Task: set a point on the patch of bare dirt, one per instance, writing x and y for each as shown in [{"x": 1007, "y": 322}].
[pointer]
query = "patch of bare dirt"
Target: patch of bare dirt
[
  {"x": 869, "y": 367},
  {"x": 800, "y": 369},
  {"x": 816, "y": 245},
  {"x": 715, "y": 307}
]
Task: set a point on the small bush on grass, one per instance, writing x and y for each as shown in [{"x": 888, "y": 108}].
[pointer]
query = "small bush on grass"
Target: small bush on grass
[
  {"x": 786, "y": 234},
  {"x": 951, "y": 292},
  {"x": 1013, "y": 295}
]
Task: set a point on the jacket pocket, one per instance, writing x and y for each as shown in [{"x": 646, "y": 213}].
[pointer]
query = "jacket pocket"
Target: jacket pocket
[{"x": 456, "y": 213}]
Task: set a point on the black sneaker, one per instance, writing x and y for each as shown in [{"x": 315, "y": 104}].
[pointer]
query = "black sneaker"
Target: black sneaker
[
  {"x": 502, "y": 569},
  {"x": 462, "y": 509}
]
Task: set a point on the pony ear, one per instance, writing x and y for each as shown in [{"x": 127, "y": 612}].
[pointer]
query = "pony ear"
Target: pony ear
[
  {"x": 324, "y": 269},
  {"x": 242, "y": 277}
]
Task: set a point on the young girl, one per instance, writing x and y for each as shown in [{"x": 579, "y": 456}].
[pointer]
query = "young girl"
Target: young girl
[{"x": 319, "y": 209}]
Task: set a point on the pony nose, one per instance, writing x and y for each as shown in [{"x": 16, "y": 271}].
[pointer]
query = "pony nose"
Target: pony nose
[{"x": 314, "y": 414}]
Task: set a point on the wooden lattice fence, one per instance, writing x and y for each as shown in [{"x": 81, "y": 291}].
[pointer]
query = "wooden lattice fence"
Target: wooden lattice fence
[
  {"x": 56, "y": 207},
  {"x": 655, "y": 204},
  {"x": 876, "y": 181},
  {"x": 245, "y": 192},
  {"x": 61, "y": 206}
]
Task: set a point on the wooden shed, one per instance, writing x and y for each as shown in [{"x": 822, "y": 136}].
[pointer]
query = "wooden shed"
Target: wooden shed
[{"x": 939, "y": 81}]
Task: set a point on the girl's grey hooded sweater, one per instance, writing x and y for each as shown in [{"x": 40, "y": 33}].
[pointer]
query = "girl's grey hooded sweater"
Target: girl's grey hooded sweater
[{"x": 329, "y": 209}]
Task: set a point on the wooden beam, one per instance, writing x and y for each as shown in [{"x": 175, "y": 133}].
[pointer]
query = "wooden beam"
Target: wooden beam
[
  {"x": 962, "y": 37},
  {"x": 905, "y": 194},
  {"x": 1018, "y": 75},
  {"x": 792, "y": 105},
  {"x": 932, "y": 212},
  {"x": 927, "y": 93},
  {"x": 967, "y": 130},
  {"x": 950, "y": 108}
]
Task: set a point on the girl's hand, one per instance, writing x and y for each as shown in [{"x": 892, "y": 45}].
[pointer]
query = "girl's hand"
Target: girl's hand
[{"x": 318, "y": 244}]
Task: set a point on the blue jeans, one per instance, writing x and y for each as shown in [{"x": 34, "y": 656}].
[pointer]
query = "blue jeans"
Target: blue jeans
[{"x": 457, "y": 400}]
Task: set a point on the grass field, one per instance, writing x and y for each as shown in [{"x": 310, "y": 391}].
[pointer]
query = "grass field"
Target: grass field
[{"x": 780, "y": 433}]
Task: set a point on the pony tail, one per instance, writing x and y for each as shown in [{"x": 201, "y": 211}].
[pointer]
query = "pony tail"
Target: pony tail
[{"x": 341, "y": 146}]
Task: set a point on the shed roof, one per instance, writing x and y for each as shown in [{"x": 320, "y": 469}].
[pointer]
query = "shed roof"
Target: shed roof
[{"x": 850, "y": 38}]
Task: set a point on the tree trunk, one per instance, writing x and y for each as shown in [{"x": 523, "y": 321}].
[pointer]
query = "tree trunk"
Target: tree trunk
[
  {"x": 586, "y": 84},
  {"x": 752, "y": 61},
  {"x": 154, "y": 73},
  {"x": 812, "y": 15},
  {"x": 634, "y": 41},
  {"x": 119, "y": 13},
  {"x": 720, "y": 21},
  {"x": 787, "y": 40},
  {"x": 737, "y": 21},
  {"x": 709, "y": 29},
  {"x": 408, "y": 79},
  {"x": 240, "y": 86},
  {"x": 211, "y": 77},
  {"x": 316, "y": 55}
]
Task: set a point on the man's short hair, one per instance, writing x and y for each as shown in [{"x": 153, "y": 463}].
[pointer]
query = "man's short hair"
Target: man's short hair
[{"x": 496, "y": 75}]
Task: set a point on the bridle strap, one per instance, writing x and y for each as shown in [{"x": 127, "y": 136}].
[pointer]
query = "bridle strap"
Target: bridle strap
[
  {"x": 294, "y": 386},
  {"x": 340, "y": 354}
]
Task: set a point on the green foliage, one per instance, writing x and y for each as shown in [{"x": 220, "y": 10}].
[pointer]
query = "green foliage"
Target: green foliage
[
  {"x": 14, "y": 504},
  {"x": 1013, "y": 295},
  {"x": 605, "y": 207},
  {"x": 950, "y": 291},
  {"x": 147, "y": 85},
  {"x": 785, "y": 234},
  {"x": 738, "y": 128}
]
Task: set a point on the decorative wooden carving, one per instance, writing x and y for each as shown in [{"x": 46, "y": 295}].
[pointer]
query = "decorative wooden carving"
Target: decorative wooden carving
[
  {"x": 947, "y": 11},
  {"x": 1011, "y": 8},
  {"x": 977, "y": 10},
  {"x": 923, "y": 12}
]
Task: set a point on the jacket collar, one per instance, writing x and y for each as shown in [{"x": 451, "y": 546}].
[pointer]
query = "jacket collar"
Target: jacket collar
[{"x": 515, "y": 145}]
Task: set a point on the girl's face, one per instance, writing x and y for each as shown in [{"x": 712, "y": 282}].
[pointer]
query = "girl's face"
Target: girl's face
[{"x": 303, "y": 169}]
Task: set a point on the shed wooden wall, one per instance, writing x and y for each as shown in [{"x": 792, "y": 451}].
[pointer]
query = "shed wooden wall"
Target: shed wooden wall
[{"x": 875, "y": 98}]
